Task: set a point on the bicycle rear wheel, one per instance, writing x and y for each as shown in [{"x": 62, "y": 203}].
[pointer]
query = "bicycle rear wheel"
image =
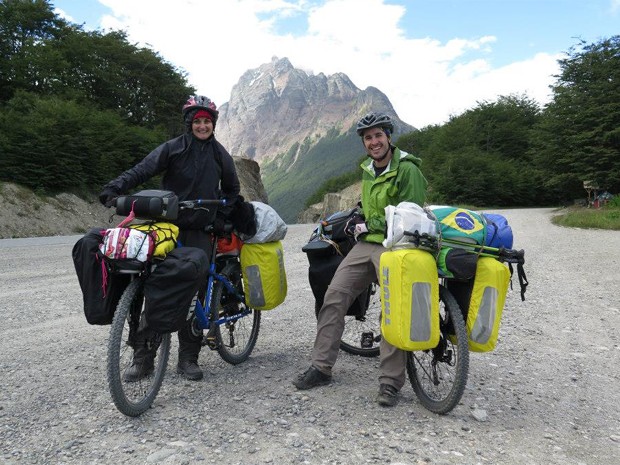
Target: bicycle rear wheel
[
  {"x": 362, "y": 334},
  {"x": 133, "y": 397},
  {"x": 438, "y": 376},
  {"x": 237, "y": 337}
]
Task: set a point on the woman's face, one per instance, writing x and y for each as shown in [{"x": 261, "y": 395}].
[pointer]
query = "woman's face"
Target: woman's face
[{"x": 202, "y": 128}]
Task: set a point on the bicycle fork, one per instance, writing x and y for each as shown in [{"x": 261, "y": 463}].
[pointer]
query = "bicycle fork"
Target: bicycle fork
[{"x": 207, "y": 315}]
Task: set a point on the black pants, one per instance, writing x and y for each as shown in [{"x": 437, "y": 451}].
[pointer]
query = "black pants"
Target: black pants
[{"x": 190, "y": 345}]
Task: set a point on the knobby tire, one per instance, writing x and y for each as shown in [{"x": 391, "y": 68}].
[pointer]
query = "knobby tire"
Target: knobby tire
[
  {"x": 438, "y": 376},
  {"x": 236, "y": 339},
  {"x": 133, "y": 398}
]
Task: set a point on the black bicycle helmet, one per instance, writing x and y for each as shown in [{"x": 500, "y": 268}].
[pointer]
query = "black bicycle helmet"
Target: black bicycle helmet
[
  {"x": 199, "y": 102},
  {"x": 372, "y": 120}
]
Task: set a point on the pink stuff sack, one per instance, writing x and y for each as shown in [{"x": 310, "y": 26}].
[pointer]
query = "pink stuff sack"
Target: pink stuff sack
[{"x": 127, "y": 243}]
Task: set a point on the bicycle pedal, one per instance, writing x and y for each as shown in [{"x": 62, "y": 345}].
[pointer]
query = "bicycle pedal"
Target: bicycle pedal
[{"x": 211, "y": 342}]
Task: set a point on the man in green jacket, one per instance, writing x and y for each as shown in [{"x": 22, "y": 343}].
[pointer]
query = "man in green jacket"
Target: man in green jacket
[{"x": 390, "y": 177}]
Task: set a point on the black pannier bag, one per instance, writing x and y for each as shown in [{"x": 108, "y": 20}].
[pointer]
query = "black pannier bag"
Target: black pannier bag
[
  {"x": 461, "y": 290},
  {"x": 100, "y": 295},
  {"x": 170, "y": 289},
  {"x": 324, "y": 259}
]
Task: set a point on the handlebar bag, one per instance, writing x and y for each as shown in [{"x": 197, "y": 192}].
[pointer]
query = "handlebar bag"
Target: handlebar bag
[
  {"x": 409, "y": 299},
  {"x": 100, "y": 296},
  {"x": 264, "y": 277},
  {"x": 171, "y": 288}
]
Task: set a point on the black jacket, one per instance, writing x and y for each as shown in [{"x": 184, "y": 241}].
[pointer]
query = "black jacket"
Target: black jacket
[{"x": 192, "y": 169}]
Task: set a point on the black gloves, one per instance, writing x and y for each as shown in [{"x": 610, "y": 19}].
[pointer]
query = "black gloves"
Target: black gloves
[
  {"x": 107, "y": 196},
  {"x": 219, "y": 225},
  {"x": 355, "y": 226}
]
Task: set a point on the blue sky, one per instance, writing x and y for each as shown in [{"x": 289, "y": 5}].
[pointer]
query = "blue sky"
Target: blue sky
[{"x": 432, "y": 58}]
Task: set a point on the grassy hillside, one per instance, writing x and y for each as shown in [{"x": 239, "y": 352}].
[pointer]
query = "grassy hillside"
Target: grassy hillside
[{"x": 293, "y": 177}]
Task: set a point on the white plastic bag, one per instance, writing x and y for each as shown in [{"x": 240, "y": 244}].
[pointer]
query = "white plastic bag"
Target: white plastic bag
[
  {"x": 127, "y": 244},
  {"x": 407, "y": 217},
  {"x": 269, "y": 226}
]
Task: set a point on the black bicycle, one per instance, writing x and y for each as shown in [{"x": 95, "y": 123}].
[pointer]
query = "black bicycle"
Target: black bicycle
[
  {"x": 326, "y": 248},
  {"x": 231, "y": 326},
  {"x": 438, "y": 375}
]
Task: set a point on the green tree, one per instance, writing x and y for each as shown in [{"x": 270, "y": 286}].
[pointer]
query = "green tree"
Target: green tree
[
  {"x": 76, "y": 107},
  {"x": 55, "y": 145},
  {"x": 481, "y": 156},
  {"x": 143, "y": 88},
  {"x": 579, "y": 137},
  {"x": 25, "y": 27}
]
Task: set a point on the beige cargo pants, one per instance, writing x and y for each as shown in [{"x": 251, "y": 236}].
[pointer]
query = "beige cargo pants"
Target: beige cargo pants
[{"x": 356, "y": 272}]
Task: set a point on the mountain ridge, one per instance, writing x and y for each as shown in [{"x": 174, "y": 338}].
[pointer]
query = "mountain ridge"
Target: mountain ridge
[{"x": 299, "y": 127}]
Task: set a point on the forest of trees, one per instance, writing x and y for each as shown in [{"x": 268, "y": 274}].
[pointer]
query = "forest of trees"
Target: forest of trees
[{"x": 77, "y": 108}]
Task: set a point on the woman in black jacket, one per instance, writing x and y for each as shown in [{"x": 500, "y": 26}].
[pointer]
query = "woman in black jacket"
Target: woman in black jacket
[{"x": 194, "y": 166}]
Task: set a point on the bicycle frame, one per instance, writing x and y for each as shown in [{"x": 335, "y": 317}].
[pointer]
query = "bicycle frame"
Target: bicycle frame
[{"x": 203, "y": 312}]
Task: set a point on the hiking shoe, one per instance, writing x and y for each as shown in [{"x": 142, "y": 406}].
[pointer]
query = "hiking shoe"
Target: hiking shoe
[
  {"x": 312, "y": 378},
  {"x": 190, "y": 370},
  {"x": 388, "y": 395},
  {"x": 137, "y": 371}
]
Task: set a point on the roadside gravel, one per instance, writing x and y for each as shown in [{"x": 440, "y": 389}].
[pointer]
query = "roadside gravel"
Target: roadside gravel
[{"x": 548, "y": 394}]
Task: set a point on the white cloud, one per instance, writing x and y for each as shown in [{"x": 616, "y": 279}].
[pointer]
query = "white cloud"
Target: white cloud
[
  {"x": 64, "y": 15},
  {"x": 426, "y": 80}
]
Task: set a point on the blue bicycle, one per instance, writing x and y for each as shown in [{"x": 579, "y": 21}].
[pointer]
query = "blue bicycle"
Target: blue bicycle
[{"x": 231, "y": 326}]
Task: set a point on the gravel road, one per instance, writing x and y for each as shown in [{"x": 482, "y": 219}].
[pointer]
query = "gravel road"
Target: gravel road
[{"x": 549, "y": 393}]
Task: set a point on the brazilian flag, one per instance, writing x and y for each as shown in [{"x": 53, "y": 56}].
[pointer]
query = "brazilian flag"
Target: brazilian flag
[{"x": 460, "y": 224}]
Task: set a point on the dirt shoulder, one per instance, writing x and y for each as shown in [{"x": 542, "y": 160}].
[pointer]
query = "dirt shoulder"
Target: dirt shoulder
[{"x": 25, "y": 214}]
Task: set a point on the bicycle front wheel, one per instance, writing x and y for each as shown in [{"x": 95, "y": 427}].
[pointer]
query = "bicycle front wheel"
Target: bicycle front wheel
[
  {"x": 438, "y": 376},
  {"x": 133, "y": 397},
  {"x": 236, "y": 337}
]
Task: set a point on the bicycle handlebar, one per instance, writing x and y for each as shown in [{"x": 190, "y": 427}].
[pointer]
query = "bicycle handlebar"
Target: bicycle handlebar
[
  {"x": 152, "y": 205},
  {"x": 202, "y": 203}
]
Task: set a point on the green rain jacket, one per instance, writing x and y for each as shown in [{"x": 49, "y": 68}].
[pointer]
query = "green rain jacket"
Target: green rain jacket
[{"x": 402, "y": 181}]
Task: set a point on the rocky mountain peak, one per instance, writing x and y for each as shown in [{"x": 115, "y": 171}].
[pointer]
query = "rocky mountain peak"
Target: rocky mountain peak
[
  {"x": 299, "y": 127},
  {"x": 277, "y": 105}
]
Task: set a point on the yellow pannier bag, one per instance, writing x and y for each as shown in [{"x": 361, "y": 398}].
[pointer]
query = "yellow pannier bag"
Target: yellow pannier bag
[
  {"x": 486, "y": 304},
  {"x": 264, "y": 277},
  {"x": 166, "y": 236},
  {"x": 409, "y": 299}
]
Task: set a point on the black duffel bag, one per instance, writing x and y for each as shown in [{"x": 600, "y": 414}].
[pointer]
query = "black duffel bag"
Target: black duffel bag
[{"x": 170, "y": 289}]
